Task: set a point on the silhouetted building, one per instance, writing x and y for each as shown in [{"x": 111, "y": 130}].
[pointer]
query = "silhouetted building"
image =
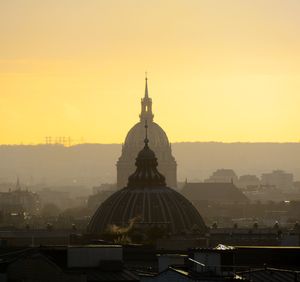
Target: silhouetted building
[
  {"x": 279, "y": 178},
  {"x": 225, "y": 193},
  {"x": 159, "y": 143},
  {"x": 244, "y": 258},
  {"x": 223, "y": 176},
  {"x": 60, "y": 198},
  {"x": 19, "y": 201},
  {"x": 147, "y": 198},
  {"x": 266, "y": 193},
  {"x": 248, "y": 181},
  {"x": 65, "y": 264}
]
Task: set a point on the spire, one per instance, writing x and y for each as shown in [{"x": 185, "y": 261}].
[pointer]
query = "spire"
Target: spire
[
  {"x": 146, "y": 173},
  {"x": 146, "y": 87},
  {"x": 146, "y": 104}
]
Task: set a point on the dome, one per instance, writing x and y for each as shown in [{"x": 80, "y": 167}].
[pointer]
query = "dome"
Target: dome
[
  {"x": 136, "y": 135},
  {"x": 147, "y": 197},
  {"x": 134, "y": 142},
  {"x": 155, "y": 205}
]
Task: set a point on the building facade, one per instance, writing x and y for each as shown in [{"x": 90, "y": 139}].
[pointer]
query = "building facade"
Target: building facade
[
  {"x": 223, "y": 176},
  {"x": 280, "y": 179}
]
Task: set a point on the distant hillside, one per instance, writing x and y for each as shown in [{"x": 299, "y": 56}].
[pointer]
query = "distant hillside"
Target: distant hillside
[
  {"x": 87, "y": 164},
  {"x": 198, "y": 160},
  {"x": 91, "y": 164}
]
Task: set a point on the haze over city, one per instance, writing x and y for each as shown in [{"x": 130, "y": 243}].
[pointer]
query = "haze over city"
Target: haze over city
[{"x": 149, "y": 141}]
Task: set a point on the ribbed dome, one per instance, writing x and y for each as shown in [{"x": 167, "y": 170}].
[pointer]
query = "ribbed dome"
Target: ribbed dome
[
  {"x": 161, "y": 205},
  {"x": 136, "y": 135},
  {"x": 147, "y": 197}
]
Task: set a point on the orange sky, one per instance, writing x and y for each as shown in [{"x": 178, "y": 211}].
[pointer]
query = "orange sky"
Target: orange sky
[{"x": 218, "y": 70}]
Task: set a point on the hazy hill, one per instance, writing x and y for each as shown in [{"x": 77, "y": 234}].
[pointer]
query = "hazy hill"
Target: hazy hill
[
  {"x": 198, "y": 160},
  {"x": 91, "y": 164}
]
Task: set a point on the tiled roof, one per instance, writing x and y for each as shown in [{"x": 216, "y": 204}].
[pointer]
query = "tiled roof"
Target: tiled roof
[{"x": 214, "y": 192}]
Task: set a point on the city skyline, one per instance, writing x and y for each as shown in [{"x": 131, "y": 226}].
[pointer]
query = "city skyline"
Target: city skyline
[{"x": 226, "y": 72}]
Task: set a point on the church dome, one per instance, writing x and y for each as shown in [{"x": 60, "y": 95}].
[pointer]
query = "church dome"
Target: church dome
[
  {"x": 157, "y": 136},
  {"x": 155, "y": 205},
  {"x": 147, "y": 197},
  {"x": 158, "y": 141}
]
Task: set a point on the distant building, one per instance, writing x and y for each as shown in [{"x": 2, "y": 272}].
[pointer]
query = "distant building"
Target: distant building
[
  {"x": 223, "y": 176},
  {"x": 248, "y": 181},
  {"x": 297, "y": 185},
  {"x": 278, "y": 178},
  {"x": 19, "y": 201},
  {"x": 134, "y": 143},
  {"x": 267, "y": 193},
  {"x": 59, "y": 198},
  {"x": 224, "y": 193}
]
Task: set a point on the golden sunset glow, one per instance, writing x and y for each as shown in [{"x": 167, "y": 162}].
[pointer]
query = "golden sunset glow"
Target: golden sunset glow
[{"x": 218, "y": 70}]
